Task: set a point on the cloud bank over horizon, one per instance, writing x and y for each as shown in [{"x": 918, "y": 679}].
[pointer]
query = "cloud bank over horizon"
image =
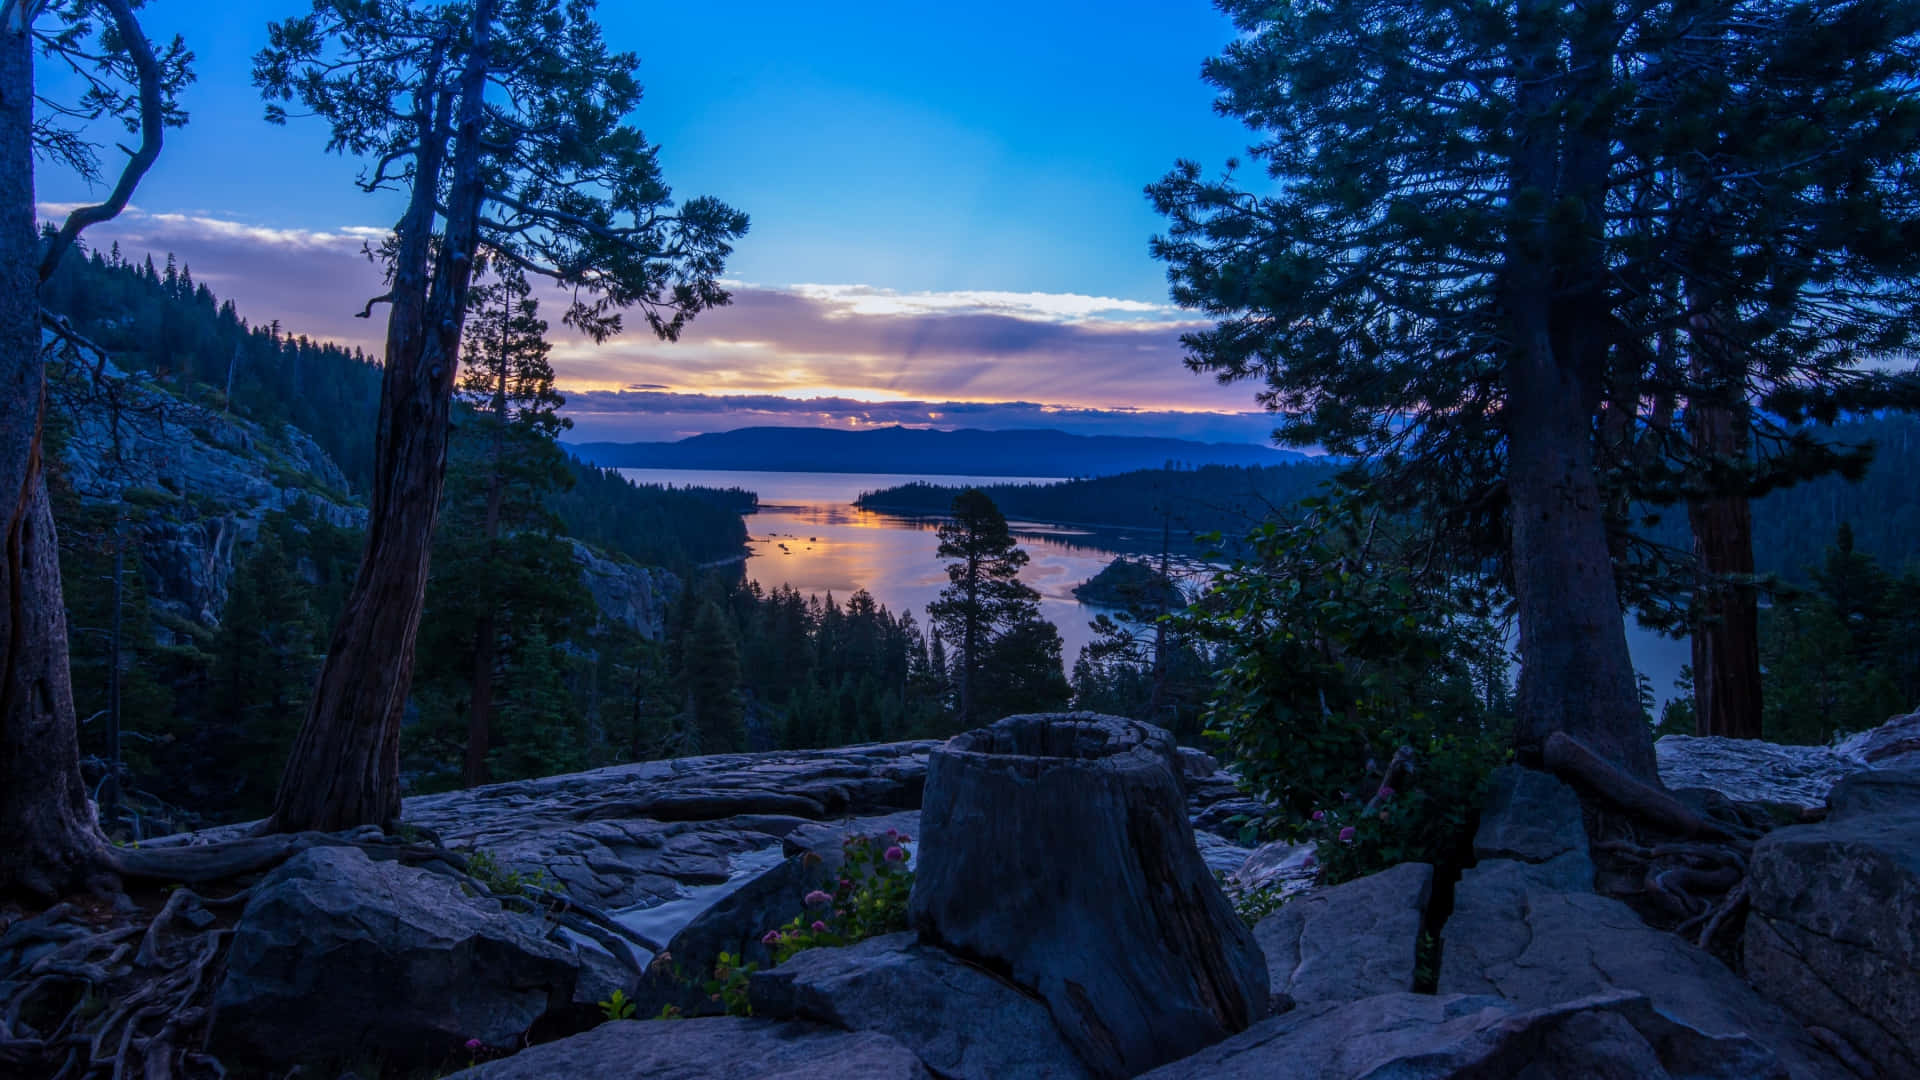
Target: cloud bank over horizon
[
  {"x": 842, "y": 355},
  {"x": 654, "y": 415}
]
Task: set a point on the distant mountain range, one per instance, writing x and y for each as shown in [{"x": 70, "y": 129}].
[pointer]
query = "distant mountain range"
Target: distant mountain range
[{"x": 1029, "y": 452}]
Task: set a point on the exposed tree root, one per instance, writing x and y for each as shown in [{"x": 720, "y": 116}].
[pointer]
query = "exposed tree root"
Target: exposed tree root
[
  {"x": 1680, "y": 868},
  {"x": 1572, "y": 760},
  {"x": 133, "y": 1000}
]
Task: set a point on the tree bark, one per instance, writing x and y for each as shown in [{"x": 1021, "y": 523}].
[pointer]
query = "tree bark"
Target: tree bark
[
  {"x": 345, "y": 767},
  {"x": 1726, "y": 629},
  {"x": 1055, "y": 850},
  {"x": 52, "y": 844},
  {"x": 1576, "y": 675}
]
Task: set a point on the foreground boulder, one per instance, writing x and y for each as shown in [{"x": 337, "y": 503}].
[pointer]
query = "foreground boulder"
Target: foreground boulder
[
  {"x": 1529, "y": 929},
  {"x": 1834, "y": 931},
  {"x": 713, "y": 1048},
  {"x": 961, "y": 1020},
  {"x": 1462, "y": 1037},
  {"x": 337, "y": 955},
  {"x": 1351, "y": 941},
  {"x": 1057, "y": 848}
]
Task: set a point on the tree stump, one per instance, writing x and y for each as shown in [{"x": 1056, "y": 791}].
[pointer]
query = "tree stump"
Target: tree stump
[{"x": 1055, "y": 849}]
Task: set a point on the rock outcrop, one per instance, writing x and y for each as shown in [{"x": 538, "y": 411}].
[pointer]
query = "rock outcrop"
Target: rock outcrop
[
  {"x": 1893, "y": 745},
  {"x": 1530, "y": 930},
  {"x": 709, "y": 1049},
  {"x": 1795, "y": 779},
  {"x": 1347, "y": 942},
  {"x": 1538, "y": 976},
  {"x": 635, "y": 597},
  {"x": 962, "y": 1020},
  {"x": 1834, "y": 931},
  {"x": 1615, "y": 1036},
  {"x": 197, "y": 483},
  {"x": 335, "y": 953}
]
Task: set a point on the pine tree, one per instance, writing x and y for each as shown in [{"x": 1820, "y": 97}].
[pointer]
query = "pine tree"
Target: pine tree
[
  {"x": 503, "y": 127},
  {"x": 712, "y": 665},
  {"x": 1455, "y": 266},
  {"x": 53, "y": 839},
  {"x": 986, "y": 600},
  {"x": 506, "y": 462},
  {"x": 265, "y": 655}
]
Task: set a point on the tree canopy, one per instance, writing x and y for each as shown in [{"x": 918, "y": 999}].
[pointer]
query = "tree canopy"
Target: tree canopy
[
  {"x": 504, "y": 123},
  {"x": 1478, "y": 233}
]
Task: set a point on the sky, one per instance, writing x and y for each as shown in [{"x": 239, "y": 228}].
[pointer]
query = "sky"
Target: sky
[{"x": 948, "y": 225}]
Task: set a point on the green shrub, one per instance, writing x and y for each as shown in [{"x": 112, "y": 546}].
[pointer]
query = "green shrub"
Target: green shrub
[
  {"x": 1431, "y": 821},
  {"x": 870, "y": 899},
  {"x": 1342, "y": 645}
]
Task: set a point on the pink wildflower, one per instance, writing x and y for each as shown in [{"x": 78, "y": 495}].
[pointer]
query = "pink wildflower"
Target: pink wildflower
[
  {"x": 771, "y": 937},
  {"x": 1386, "y": 792},
  {"x": 904, "y": 838},
  {"x": 819, "y": 927},
  {"x": 894, "y": 854},
  {"x": 892, "y": 833},
  {"x": 816, "y": 898},
  {"x": 1319, "y": 815},
  {"x": 1346, "y": 835},
  {"x": 475, "y": 1045},
  {"x": 1308, "y": 861}
]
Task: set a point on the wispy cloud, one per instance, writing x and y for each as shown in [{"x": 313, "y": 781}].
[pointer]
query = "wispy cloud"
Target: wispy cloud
[
  {"x": 654, "y": 416},
  {"x": 809, "y": 353}
]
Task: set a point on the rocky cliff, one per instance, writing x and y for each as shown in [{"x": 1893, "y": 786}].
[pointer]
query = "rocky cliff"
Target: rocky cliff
[{"x": 196, "y": 484}]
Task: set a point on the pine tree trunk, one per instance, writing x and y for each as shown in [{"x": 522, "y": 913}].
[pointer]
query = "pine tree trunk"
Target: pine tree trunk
[
  {"x": 1576, "y": 675},
  {"x": 1726, "y": 633},
  {"x": 1726, "y": 629},
  {"x": 970, "y": 641},
  {"x": 344, "y": 771},
  {"x": 49, "y": 840}
]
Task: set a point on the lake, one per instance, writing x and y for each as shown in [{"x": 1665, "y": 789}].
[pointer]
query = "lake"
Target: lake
[{"x": 807, "y": 534}]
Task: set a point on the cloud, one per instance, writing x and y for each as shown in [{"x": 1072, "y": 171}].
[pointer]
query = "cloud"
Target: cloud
[
  {"x": 1098, "y": 361},
  {"x": 653, "y": 416},
  {"x": 312, "y": 281},
  {"x": 848, "y": 300}
]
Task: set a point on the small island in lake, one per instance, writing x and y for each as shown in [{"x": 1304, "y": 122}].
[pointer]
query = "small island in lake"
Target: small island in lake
[{"x": 1130, "y": 583}]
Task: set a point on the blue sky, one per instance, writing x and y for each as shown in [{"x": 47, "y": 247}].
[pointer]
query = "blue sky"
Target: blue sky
[{"x": 915, "y": 174}]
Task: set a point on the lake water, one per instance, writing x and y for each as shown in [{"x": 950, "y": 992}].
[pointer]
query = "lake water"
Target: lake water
[{"x": 807, "y": 534}]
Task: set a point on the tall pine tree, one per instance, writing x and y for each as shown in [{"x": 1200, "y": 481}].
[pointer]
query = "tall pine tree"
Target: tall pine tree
[{"x": 1004, "y": 654}]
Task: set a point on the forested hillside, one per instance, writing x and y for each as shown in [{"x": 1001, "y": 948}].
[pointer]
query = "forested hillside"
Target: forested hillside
[
  {"x": 220, "y": 530},
  {"x": 1227, "y": 499}
]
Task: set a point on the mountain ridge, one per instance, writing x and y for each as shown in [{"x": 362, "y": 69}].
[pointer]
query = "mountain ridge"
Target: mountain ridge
[{"x": 1024, "y": 452}]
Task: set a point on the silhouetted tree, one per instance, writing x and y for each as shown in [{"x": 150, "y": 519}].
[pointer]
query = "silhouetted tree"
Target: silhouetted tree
[
  {"x": 502, "y": 122},
  {"x": 986, "y": 600},
  {"x": 53, "y": 840},
  {"x": 1454, "y": 242}
]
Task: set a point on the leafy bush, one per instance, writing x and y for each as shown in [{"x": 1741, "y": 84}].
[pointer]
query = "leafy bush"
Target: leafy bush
[
  {"x": 1341, "y": 650},
  {"x": 729, "y": 984},
  {"x": 869, "y": 900},
  {"x": 1429, "y": 822}
]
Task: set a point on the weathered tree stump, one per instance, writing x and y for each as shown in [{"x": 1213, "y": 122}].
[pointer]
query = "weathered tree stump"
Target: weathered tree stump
[{"x": 1055, "y": 849}]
